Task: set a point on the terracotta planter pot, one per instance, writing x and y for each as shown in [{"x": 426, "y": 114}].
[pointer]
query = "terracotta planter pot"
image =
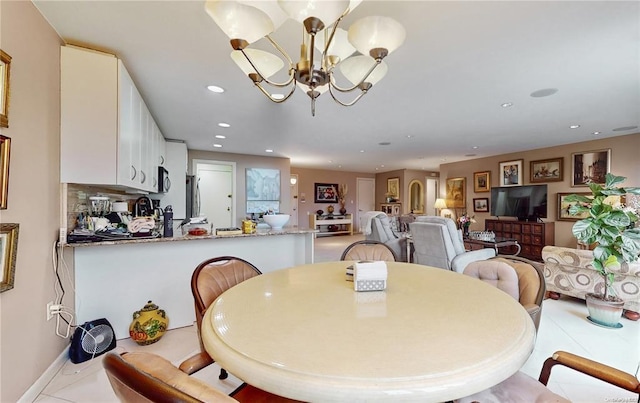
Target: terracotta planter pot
[{"x": 604, "y": 313}]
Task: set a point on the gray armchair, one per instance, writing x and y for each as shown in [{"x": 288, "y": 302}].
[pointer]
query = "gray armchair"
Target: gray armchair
[
  {"x": 380, "y": 230},
  {"x": 438, "y": 243}
]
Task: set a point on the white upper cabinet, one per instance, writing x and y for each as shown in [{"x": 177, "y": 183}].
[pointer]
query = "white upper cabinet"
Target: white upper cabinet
[{"x": 108, "y": 136}]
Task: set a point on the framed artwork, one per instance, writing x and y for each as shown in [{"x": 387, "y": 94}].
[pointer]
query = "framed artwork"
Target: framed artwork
[
  {"x": 263, "y": 190},
  {"x": 326, "y": 192},
  {"x": 546, "y": 170},
  {"x": 481, "y": 205},
  {"x": 563, "y": 208},
  {"x": 5, "y": 69},
  {"x": 5, "y": 149},
  {"x": 456, "y": 197},
  {"x": 8, "y": 253},
  {"x": 482, "y": 181},
  {"x": 590, "y": 166},
  {"x": 393, "y": 185},
  {"x": 511, "y": 173}
]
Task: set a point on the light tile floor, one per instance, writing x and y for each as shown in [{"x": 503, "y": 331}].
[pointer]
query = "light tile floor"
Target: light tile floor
[{"x": 563, "y": 327}]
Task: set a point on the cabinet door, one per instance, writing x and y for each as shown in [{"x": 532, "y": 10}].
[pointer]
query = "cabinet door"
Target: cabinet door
[
  {"x": 88, "y": 116},
  {"x": 128, "y": 128}
]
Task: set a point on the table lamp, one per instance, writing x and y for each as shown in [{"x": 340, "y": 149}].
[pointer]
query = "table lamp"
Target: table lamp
[{"x": 439, "y": 205}]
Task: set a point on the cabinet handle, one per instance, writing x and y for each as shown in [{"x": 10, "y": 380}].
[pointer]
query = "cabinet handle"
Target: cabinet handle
[
  {"x": 144, "y": 177},
  {"x": 135, "y": 172},
  {"x": 167, "y": 184},
  {"x": 161, "y": 160}
]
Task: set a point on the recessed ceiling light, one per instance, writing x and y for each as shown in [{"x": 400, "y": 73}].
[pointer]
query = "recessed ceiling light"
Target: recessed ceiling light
[
  {"x": 545, "y": 92},
  {"x": 361, "y": 151},
  {"x": 277, "y": 96},
  {"x": 596, "y": 133},
  {"x": 220, "y": 136},
  {"x": 330, "y": 162},
  {"x": 507, "y": 104},
  {"x": 222, "y": 124},
  {"x": 574, "y": 126},
  {"x": 268, "y": 150},
  {"x": 217, "y": 145},
  {"x": 381, "y": 166},
  {"x": 216, "y": 89},
  {"x": 409, "y": 136},
  {"x": 624, "y": 128},
  {"x": 475, "y": 147}
]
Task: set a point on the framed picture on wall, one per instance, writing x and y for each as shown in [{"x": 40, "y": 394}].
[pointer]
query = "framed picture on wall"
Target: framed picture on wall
[
  {"x": 325, "y": 192},
  {"x": 511, "y": 173},
  {"x": 481, "y": 205},
  {"x": 482, "y": 181},
  {"x": 563, "y": 208},
  {"x": 8, "y": 253},
  {"x": 456, "y": 197},
  {"x": 590, "y": 166},
  {"x": 5, "y": 150},
  {"x": 549, "y": 170},
  {"x": 393, "y": 186},
  {"x": 5, "y": 76}
]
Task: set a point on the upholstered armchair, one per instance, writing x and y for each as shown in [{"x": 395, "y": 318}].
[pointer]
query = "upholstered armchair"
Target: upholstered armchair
[
  {"x": 378, "y": 228},
  {"x": 438, "y": 243}
]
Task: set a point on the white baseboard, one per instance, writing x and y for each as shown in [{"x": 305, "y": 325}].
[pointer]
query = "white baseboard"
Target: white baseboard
[{"x": 38, "y": 386}]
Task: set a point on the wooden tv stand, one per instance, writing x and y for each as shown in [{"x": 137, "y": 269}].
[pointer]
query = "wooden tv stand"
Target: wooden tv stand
[
  {"x": 343, "y": 223},
  {"x": 532, "y": 236}
]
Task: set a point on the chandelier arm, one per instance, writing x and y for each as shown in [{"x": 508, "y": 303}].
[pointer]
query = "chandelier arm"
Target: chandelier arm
[
  {"x": 279, "y": 49},
  {"x": 346, "y": 103},
  {"x": 278, "y": 101},
  {"x": 349, "y": 89},
  {"x": 333, "y": 32},
  {"x": 275, "y": 84}
]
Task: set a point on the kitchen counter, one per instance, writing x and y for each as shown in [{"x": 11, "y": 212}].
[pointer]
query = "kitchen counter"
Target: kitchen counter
[
  {"x": 179, "y": 238},
  {"x": 113, "y": 279}
]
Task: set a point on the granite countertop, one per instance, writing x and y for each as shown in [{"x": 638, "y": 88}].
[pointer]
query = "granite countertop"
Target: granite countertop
[{"x": 260, "y": 232}]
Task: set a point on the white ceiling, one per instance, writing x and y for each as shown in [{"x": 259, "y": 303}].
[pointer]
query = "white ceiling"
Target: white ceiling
[{"x": 441, "y": 97}]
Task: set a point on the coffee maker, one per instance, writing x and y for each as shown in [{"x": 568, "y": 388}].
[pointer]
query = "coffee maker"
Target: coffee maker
[{"x": 143, "y": 207}]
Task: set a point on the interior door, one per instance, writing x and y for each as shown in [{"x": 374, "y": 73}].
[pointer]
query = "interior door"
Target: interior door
[
  {"x": 215, "y": 188},
  {"x": 366, "y": 198},
  {"x": 293, "y": 221}
]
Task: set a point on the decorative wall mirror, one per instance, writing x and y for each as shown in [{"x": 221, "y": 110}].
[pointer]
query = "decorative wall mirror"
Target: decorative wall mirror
[
  {"x": 5, "y": 68},
  {"x": 416, "y": 197}
]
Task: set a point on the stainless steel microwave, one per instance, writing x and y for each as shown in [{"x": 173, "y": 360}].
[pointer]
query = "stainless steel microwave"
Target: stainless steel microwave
[{"x": 164, "y": 183}]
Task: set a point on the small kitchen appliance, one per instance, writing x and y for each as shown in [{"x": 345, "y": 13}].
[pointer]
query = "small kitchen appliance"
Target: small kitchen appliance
[{"x": 143, "y": 207}]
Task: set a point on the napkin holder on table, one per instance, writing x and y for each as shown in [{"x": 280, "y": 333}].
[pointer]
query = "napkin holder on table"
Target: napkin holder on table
[{"x": 370, "y": 276}]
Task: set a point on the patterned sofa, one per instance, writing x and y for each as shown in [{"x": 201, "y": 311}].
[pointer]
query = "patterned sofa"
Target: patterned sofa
[{"x": 569, "y": 271}]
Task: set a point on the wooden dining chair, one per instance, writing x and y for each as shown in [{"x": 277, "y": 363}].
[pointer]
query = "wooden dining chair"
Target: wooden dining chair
[
  {"x": 209, "y": 280},
  {"x": 145, "y": 377},
  {"x": 522, "y": 388},
  {"x": 368, "y": 250}
]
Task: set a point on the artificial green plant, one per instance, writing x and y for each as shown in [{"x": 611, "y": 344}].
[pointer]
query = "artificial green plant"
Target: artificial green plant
[{"x": 610, "y": 225}]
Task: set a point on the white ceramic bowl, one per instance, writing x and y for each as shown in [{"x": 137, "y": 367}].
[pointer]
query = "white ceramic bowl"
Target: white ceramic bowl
[{"x": 276, "y": 221}]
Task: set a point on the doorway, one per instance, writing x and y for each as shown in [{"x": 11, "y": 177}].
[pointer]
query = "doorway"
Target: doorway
[
  {"x": 431, "y": 193},
  {"x": 293, "y": 221},
  {"x": 366, "y": 198},
  {"x": 215, "y": 191}
]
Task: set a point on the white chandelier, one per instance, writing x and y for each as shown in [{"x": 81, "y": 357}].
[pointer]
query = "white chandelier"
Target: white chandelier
[{"x": 247, "y": 21}]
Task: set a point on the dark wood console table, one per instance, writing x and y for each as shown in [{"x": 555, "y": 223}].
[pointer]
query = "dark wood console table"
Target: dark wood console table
[{"x": 531, "y": 236}]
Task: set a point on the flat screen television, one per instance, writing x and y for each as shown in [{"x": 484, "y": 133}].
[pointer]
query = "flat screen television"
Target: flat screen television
[{"x": 527, "y": 203}]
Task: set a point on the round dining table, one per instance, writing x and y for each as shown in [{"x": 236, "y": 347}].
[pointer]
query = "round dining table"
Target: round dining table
[{"x": 431, "y": 336}]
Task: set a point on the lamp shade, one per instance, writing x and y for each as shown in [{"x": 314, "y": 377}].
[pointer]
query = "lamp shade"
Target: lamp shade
[
  {"x": 340, "y": 45},
  {"x": 239, "y": 21},
  {"x": 327, "y": 11},
  {"x": 271, "y": 8},
  {"x": 376, "y": 32},
  {"x": 440, "y": 203},
  {"x": 267, "y": 63},
  {"x": 354, "y": 69}
]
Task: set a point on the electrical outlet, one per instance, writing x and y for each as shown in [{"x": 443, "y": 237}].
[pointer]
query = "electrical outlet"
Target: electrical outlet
[{"x": 50, "y": 310}]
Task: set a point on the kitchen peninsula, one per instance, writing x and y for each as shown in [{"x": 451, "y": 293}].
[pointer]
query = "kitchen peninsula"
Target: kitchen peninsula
[{"x": 113, "y": 279}]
